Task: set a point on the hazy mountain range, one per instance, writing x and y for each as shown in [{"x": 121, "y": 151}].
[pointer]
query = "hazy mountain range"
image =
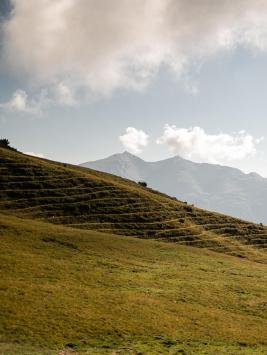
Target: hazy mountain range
[{"x": 213, "y": 187}]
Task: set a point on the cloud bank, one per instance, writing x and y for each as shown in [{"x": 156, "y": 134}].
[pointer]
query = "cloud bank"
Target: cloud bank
[
  {"x": 134, "y": 140},
  {"x": 197, "y": 145},
  {"x": 102, "y": 45}
]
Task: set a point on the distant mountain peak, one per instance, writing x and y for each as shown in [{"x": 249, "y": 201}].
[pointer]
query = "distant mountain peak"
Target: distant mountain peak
[
  {"x": 255, "y": 175},
  {"x": 210, "y": 186},
  {"x": 128, "y": 154},
  {"x": 177, "y": 157}
]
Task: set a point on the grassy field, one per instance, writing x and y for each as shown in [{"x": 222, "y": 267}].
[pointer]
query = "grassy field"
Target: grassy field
[
  {"x": 94, "y": 264},
  {"x": 83, "y": 198},
  {"x": 71, "y": 291}
]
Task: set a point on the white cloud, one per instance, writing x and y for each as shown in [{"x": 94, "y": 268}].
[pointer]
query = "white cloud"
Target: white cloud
[
  {"x": 38, "y": 155},
  {"x": 197, "y": 145},
  {"x": 64, "y": 95},
  {"x": 20, "y": 103},
  {"x": 103, "y": 45},
  {"x": 134, "y": 140}
]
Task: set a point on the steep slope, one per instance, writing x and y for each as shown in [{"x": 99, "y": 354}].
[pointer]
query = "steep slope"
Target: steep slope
[
  {"x": 68, "y": 291},
  {"x": 83, "y": 198},
  {"x": 213, "y": 187}
]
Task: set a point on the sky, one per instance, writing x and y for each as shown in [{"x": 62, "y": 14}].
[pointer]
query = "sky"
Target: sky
[{"x": 84, "y": 79}]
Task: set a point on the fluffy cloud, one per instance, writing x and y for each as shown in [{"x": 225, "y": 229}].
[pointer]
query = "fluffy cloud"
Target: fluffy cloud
[
  {"x": 134, "y": 140},
  {"x": 59, "y": 94},
  {"x": 63, "y": 95},
  {"x": 103, "y": 45},
  {"x": 197, "y": 145},
  {"x": 20, "y": 103}
]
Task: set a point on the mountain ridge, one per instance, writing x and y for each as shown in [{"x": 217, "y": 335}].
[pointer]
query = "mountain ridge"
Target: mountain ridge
[
  {"x": 172, "y": 158},
  {"x": 210, "y": 186}
]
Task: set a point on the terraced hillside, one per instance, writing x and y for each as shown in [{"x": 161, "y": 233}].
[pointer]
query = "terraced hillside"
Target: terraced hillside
[{"x": 87, "y": 199}]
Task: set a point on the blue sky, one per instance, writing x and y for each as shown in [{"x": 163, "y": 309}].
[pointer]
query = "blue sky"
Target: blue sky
[{"x": 74, "y": 104}]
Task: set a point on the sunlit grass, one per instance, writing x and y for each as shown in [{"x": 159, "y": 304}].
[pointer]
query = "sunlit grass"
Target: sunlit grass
[
  {"x": 65, "y": 287},
  {"x": 86, "y": 199}
]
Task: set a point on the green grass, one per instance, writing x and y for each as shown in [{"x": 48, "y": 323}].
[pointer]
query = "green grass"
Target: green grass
[
  {"x": 83, "y": 198},
  {"x": 107, "y": 294},
  {"x": 73, "y": 280}
]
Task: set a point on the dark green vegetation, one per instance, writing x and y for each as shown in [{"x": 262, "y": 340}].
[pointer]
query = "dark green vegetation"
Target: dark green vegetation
[
  {"x": 66, "y": 288},
  {"x": 4, "y": 143}
]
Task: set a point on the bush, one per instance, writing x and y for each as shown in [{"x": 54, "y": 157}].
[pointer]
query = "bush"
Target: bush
[
  {"x": 4, "y": 143},
  {"x": 142, "y": 183}
]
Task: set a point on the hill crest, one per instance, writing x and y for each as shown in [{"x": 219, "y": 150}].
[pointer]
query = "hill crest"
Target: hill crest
[{"x": 84, "y": 198}]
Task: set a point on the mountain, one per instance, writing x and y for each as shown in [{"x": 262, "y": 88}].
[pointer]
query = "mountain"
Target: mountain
[
  {"x": 92, "y": 263},
  {"x": 213, "y": 187}
]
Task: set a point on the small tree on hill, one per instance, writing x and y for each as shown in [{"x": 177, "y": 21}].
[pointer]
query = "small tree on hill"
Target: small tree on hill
[
  {"x": 142, "y": 183},
  {"x": 4, "y": 143}
]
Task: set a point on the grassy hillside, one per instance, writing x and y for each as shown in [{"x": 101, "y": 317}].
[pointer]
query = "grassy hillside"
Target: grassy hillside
[
  {"x": 86, "y": 199},
  {"x": 93, "y": 293}
]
